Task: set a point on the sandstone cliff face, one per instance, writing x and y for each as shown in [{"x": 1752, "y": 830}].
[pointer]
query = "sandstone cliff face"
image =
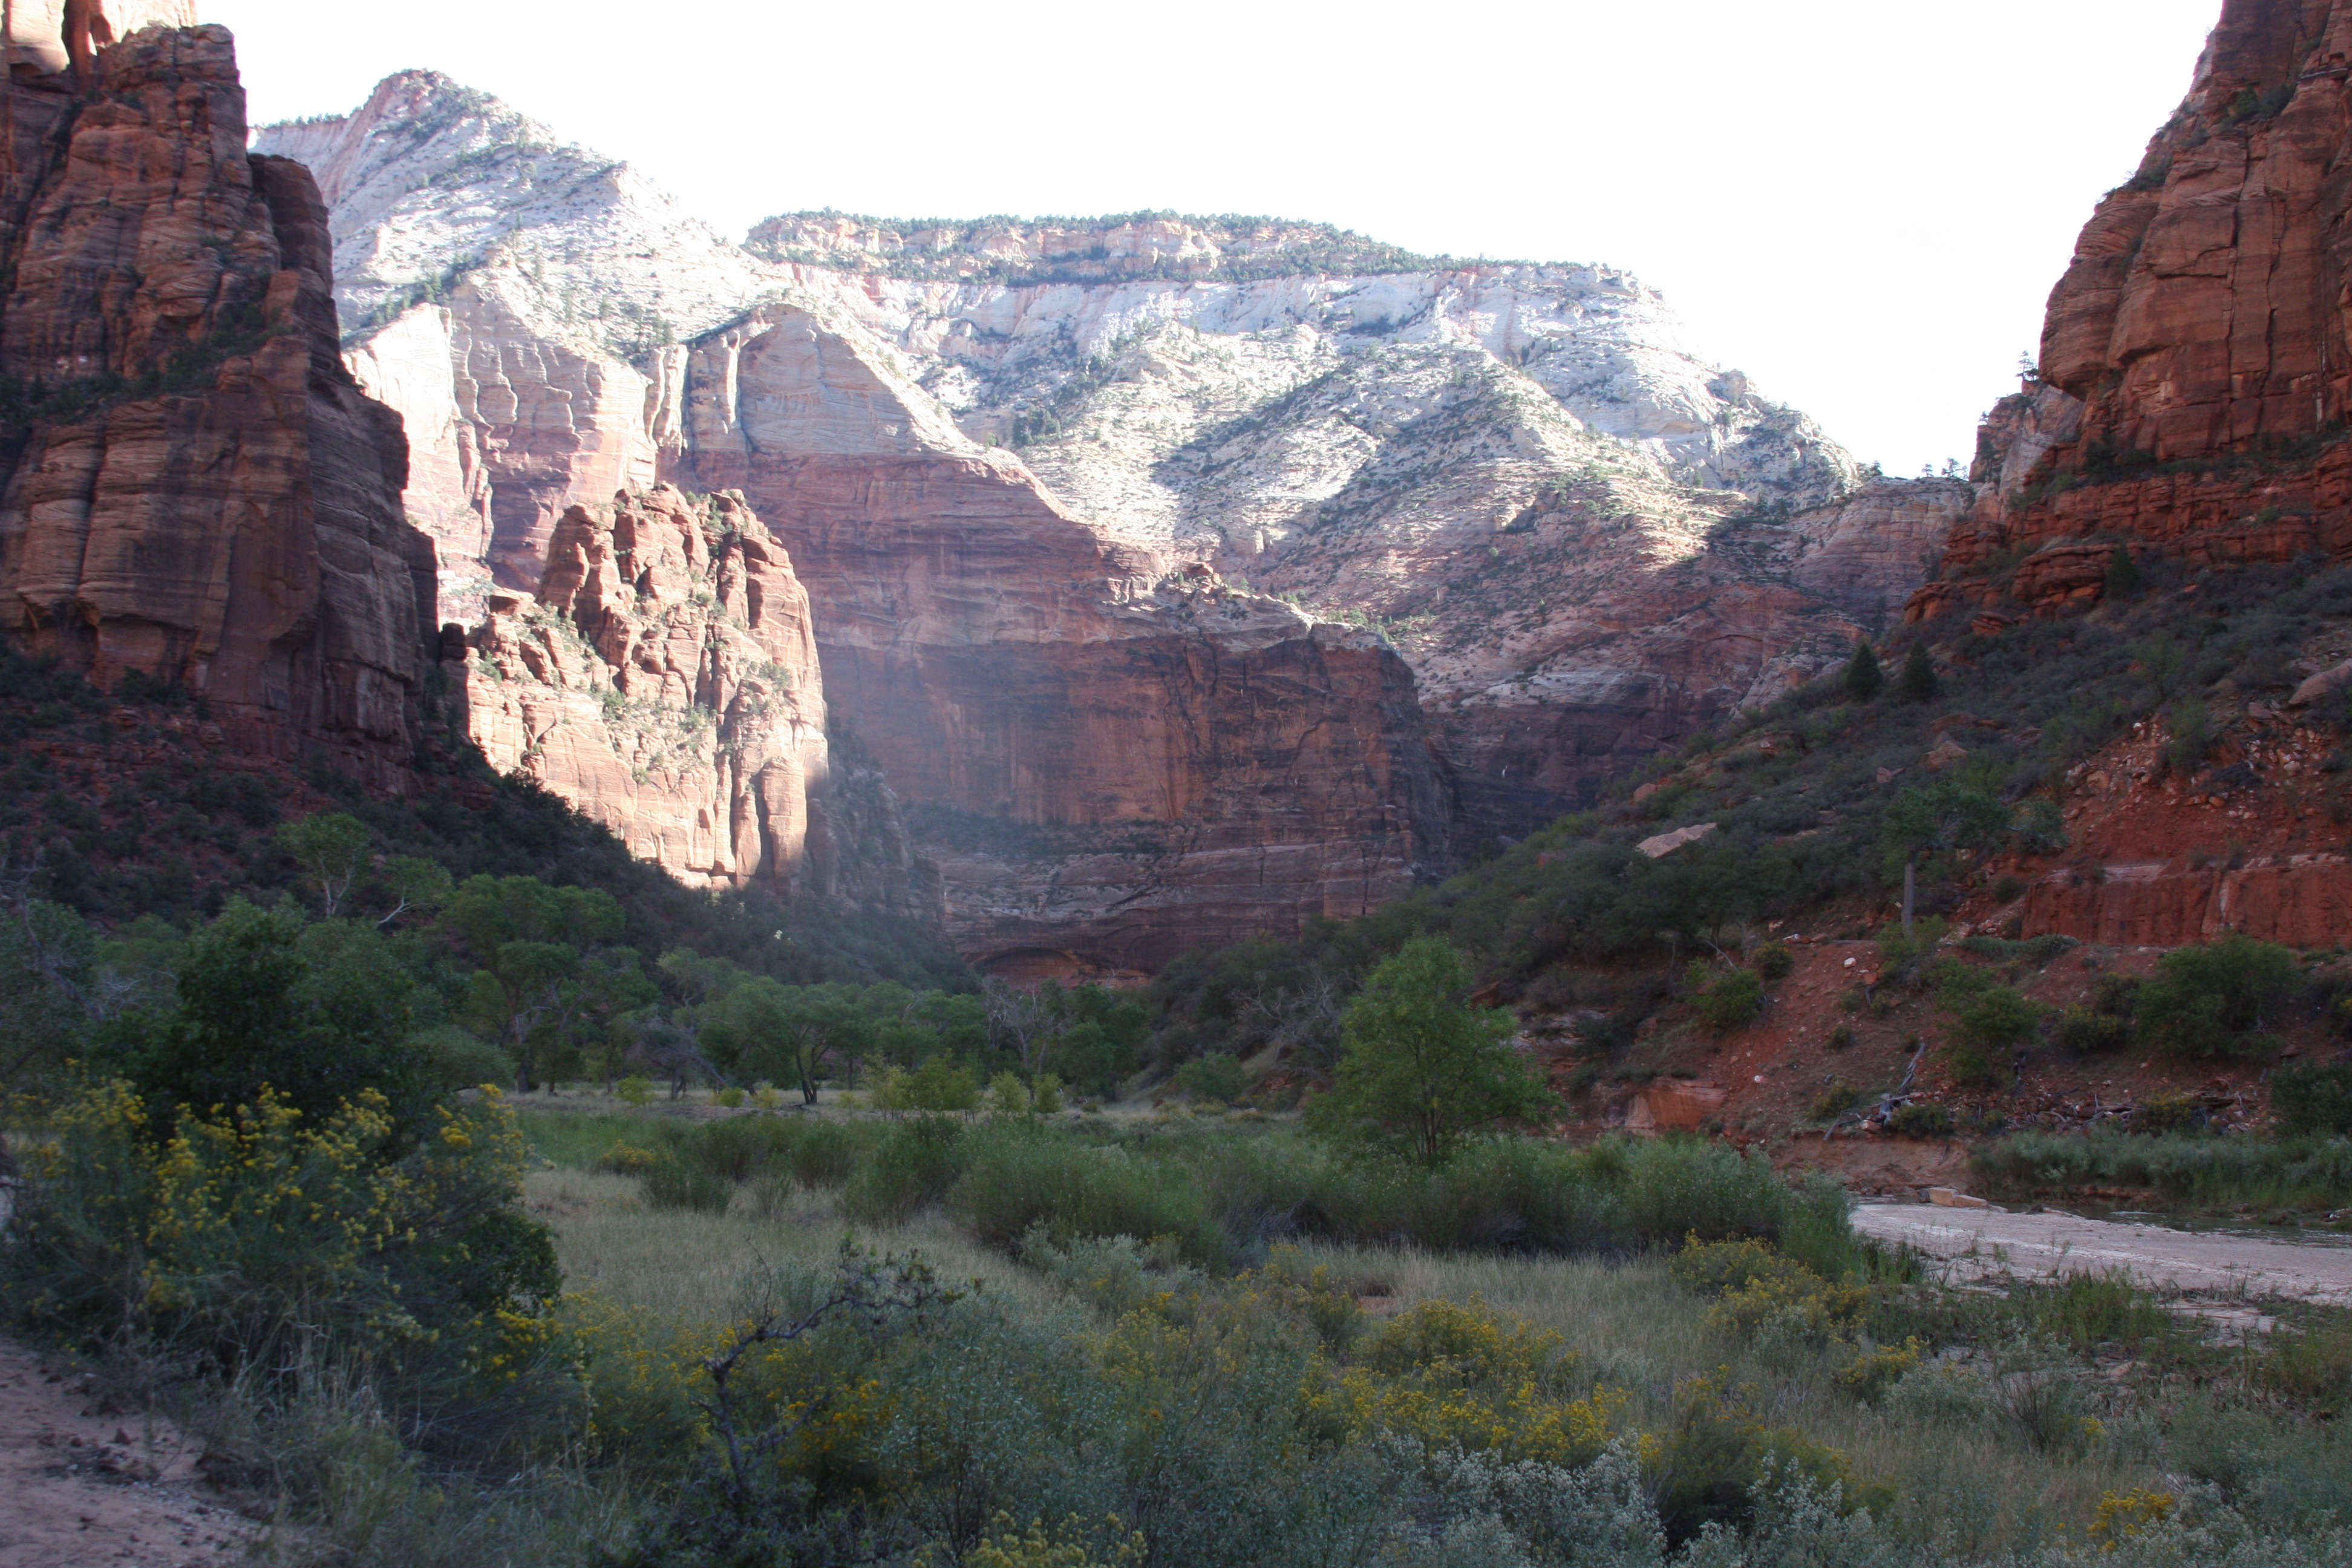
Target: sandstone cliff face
[
  {"x": 1015, "y": 463},
  {"x": 665, "y": 679},
  {"x": 191, "y": 485},
  {"x": 2194, "y": 368},
  {"x": 1107, "y": 765},
  {"x": 507, "y": 297}
]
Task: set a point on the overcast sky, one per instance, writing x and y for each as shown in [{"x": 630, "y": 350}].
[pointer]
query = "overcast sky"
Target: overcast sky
[{"x": 1862, "y": 204}]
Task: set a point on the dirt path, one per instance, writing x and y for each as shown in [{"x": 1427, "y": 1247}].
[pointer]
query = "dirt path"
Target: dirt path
[
  {"x": 82, "y": 1491},
  {"x": 1977, "y": 1242}
]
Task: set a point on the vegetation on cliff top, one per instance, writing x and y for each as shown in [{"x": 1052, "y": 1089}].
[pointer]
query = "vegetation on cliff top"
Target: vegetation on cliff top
[{"x": 1254, "y": 248}]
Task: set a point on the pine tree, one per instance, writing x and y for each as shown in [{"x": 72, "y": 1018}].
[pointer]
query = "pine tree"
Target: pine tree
[
  {"x": 1919, "y": 684},
  {"x": 1863, "y": 678}
]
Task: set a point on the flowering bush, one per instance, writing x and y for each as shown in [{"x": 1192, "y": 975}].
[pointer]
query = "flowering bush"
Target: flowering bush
[{"x": 253, "y": 1232}]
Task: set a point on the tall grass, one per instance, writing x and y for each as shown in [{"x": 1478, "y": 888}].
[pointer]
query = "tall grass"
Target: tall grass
[
  {"x": 1221, "y": 1193},
  {"x": 2184, "y": 1170}
]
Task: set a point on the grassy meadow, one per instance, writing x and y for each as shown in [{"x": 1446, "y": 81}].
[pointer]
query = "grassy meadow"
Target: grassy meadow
[{"x": 2047, "y": 1420}]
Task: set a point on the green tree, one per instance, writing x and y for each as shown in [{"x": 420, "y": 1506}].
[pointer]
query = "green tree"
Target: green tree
[
  {"x": 2124, "y": 579},
  {"x": 416, "y": 884},
  {"x": 51, "y": 988},
  {"x": 2215, "y": 999},
  {"x": 332, "y": 847},
  {"x": 1863, "y": 680},
  {"x": 1420, "y": 1066},
  {"x": 787, "y": 1033},
  {"x": 1940, "y": 818},
  {"x": 1918, "y": 682},
  {"x": 316, "y": 1012}
]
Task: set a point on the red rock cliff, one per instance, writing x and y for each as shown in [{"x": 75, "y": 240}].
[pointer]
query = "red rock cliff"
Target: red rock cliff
[
  {"x": 191, "y": 485},
  {"x": 1106, "y": 768},
  {"x": 666, "y": 682},
  {"x": 2195, "y": 369}
]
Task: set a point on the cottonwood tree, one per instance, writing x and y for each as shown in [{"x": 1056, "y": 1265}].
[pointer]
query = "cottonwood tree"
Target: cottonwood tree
[
  {"x": 333, "y": 846},
  {"x": 1421, "y": 1067}
]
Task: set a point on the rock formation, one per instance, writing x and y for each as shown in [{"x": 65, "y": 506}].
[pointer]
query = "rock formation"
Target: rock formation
[
  {"x": 1040, "y": 480},
  {"x": 192, "y": 487},
  {"x": 2195, "y": 369},
  {"x": 665, "y": 679}
]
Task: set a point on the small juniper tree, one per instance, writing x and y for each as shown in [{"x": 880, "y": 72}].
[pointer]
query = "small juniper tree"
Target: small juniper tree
[
  {"x": 1863, "y": 680},
  {"x": 1918, "y": 682}
]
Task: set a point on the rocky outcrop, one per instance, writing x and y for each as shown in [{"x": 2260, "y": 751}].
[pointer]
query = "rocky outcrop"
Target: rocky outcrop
[
  {"x": 2195, "y": 369},
  {"x": 2302, "y": 900},
  {"x": 192, "y": 487},
  {"x": 664, "y": 681}
]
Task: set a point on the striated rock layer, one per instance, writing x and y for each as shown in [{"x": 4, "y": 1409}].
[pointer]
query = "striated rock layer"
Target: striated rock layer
[
  {"x": 192, "y": 487},
  {"x": 2195, "y": 367},
  {"x": 1106, "y": 768},
  {"x": 665, "y": 679}
]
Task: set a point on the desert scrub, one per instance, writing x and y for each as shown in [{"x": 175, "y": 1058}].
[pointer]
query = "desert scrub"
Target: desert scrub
[
  {"x": 1015, "y": 1179},
  {"x": 248, "y": 1239},
  {"x": 1465, "y": 1377},
  {"x": 1727, "y": 1002}
]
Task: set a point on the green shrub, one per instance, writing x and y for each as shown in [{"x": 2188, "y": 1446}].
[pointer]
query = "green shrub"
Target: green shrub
[
  {"x": 730, "y": 1098},
  {"x": 2312, "y": 1097},
  {"x": 1216, "y": 1076},
  {"x": 636, "y": 1089},
  {"x": 913, "y": 1165},
  {"x": 1716, "y": 1452},
  {"x": 1008, "y": 1096},
  {"x": 2191, "y": 737},
  {"x": 2312, "y": 1362},
  {"x": 1834, "y": 1102},
  {"x": 1422, "y": 1067},
  {"x": 1774, "y": 961},
  {"x": 827, "y": 1153},
  {"x": 1017, "y": 1180},
  {"x": 939, "y": 1086},
  {"x": 255, "y": 1238},
  {"x": 1920, "y": 1119},
  {"x": 737, "y": 1148},
  {"x": 672, "y": 1182},
  {"x": 1731, "y": 1002},
  {"x": 1841, "y": 1036},
  {"x": 2085, "y": 1032},
  {"x": 2163, "y": 1113},
  {"x": 2212, "y": 1000},
  {"x": 2087, "y": 1311}
]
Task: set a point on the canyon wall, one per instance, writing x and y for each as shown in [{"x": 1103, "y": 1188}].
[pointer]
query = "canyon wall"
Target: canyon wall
[
  {"x": 664, "y": 678},
  {"x": 192, "y": 486},
  {"x": 1186, "y": 578},
  {"x": 2194, "y": 372}
]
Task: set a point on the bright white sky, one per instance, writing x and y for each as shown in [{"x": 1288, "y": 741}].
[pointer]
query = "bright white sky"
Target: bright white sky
[{"x": 1861, "y": 203}]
